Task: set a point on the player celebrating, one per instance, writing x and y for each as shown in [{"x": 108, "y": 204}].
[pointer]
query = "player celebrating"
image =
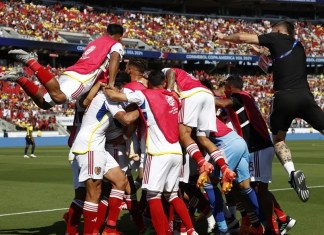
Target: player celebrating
[
  {"x": 292, "y": 97},
  {"x": 198, "y": 110},
  {"x": 104, "y": 53},
  {"x": 159, "y": 109}
]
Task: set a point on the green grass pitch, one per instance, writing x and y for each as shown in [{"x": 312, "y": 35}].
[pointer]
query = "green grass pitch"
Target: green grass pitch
[{"x": 34, "y": 193}]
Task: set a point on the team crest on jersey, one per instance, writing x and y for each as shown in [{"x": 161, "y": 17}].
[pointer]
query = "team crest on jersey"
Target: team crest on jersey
[
  {"x": 170, "y": 100},
  {"x": 97, "y": 170},
  {"x": 88, "y": 51}
]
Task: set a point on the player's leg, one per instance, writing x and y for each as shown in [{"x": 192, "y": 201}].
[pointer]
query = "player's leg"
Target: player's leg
[
  {"x": 313, "y": 114},
  {"x": 18, "y": 75},
  {"x": 73, "y": 215},
  {"x": 46, "y": 78},
  {"x": 33, "y": 148},
  {"x": 119, "y": 181},
  {"x": 285, "y": 107},
  {"x": 26, "y": 147}
]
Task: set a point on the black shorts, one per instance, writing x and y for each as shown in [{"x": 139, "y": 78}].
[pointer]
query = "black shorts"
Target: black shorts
[
  {"x": 290, "y": 104},
  {"x": 29, "y": 141}
]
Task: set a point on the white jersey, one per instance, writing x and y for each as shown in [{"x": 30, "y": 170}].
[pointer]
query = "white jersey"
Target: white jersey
[
  {"x": 156, "y": 144},
  {"x": 91, "y": 136},
  {"x": 115, "y": 129}
]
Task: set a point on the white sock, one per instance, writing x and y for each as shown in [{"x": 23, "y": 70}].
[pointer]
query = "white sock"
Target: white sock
[{"x": 289, "y": 167}]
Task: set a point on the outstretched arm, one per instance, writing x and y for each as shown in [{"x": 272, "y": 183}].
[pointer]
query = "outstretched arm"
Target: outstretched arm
[{"x": 240, "y": 38}]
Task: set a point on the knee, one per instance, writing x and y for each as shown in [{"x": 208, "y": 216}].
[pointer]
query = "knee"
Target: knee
[
  {"x": 120, "y": 182},
  {"x": 94, "y": 194}
]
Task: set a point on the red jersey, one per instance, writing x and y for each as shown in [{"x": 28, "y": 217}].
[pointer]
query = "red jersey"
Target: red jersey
[{"x": 94, "y": 55}]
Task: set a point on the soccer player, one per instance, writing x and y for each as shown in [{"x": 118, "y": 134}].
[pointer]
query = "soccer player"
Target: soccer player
[
  {"x": 249, "y": 123},
  {"x": 292, "y": 97},
  {"x": 72, "y": 217},
  {"x": 197, "y": 111},
  {"x": 30, "y": 140},
  {"x": 101, "y": 56},
  {"x": 95, "y": 163},
  {"x": 159, "y": 110}
]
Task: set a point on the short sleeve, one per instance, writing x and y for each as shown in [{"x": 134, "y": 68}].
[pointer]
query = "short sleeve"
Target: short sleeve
[
  {"x": 118, "y": 47},
  {"x": 136, "y": 97},
  {"x": 267, "y": 40},
  {"x": 114, "y": 107}
]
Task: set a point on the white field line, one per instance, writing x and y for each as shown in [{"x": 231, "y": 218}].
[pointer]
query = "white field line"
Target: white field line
[
  {"x": 33, "y": 212},
  {"x": 284, "y": 189},
  {"x": 61, "y": 209}
]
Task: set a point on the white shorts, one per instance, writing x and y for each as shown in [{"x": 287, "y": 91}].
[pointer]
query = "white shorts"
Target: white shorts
[
  {"x": 72, "y": 88},
  {"x": 189, "y": 168},
  {"x": 261, "y": 165},
  {"x": 199, "y": 111},
  {"x": 162, "y": 173},
  {"x": 94, "y": 164},
  {"x": 119, "y": 154},
  {"x": 75, "y": 171}
]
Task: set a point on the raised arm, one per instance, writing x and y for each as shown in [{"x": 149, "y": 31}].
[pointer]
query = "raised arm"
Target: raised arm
[{"x": 240, "y": 38}]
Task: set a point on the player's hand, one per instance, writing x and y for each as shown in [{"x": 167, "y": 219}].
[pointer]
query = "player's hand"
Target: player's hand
[
  {"x": 228, "y": 175},
  {"x": 206, "y": 166},
  {"x": 226, "y": 187},
  {"x": 202, "y": 179}
]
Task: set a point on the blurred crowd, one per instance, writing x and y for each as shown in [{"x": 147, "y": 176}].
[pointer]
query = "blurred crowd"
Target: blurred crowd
[{"x": 193, "y": 34}]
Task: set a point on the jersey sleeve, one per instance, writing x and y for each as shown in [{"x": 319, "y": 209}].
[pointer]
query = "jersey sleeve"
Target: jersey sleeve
[
  {"x": 114, "y": 107},
  {"x": 118, "y": 47},
  {"x": 268, "y": 40},
  {"x": 136, "y": 97}
]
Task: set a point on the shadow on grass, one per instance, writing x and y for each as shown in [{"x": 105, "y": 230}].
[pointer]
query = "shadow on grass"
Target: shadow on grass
[{"x": 58, "y": 228}]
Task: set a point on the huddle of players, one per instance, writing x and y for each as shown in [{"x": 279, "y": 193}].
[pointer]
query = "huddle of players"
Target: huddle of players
[
  {"x": 165, "y": 109},
  {"x": 256, "y": 206}
]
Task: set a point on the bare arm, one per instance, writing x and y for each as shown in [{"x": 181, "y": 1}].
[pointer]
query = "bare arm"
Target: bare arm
[
  {"x": 127, "y": 118},
  {"x": 170, "y": 76},
  {"x": 113, "y": 68},
  {"x": 92, "y": 93},
  {"x": 223, "y": 103},
  {"x": 115, "y": 95},
  {"x": 240, "y": 38}
]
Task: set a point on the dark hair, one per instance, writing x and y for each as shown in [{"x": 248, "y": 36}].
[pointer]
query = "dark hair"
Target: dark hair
[
  {"x": 207, "y": 83},
  {"x": 121, "y": 79},
  {"x": 113, "y": 29},
  {"x": 140, "y": 63},
  {"x": 289, "y": 26},
  {"x": 235, "y": 81},
  {"x": 156, "y": 77}
]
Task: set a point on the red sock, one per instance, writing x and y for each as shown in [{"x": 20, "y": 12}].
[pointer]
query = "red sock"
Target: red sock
[
  {"x": 28, "y": 86},
  {"x": 43, "y": 75},
  {"x": 34, "y": 65},
  {"x": 102, "y": 210},
  {"x": 159, "y": 219},
  {"x": 277, "y": 210},
  {"x": 90, "y": 212},
  {"x": 74, "y": 215},
  {"x": 134, "y": 210},
  {"x": 181, "y": 209},
  {"x": 194, "y": 152},
  {"x": 115, "y": 201}
]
